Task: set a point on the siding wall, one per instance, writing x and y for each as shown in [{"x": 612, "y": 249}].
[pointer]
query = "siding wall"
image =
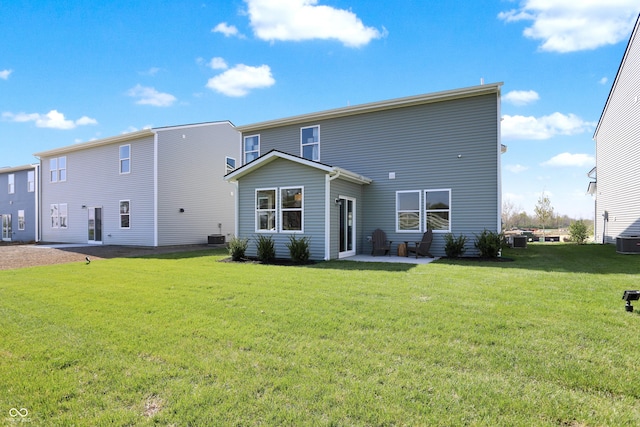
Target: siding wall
[
  {"x": 618, "y": 153},
  {"x": 94, "y": 180},
  {"x": 420, "y": 144},
  {"x": 284, "y": 173},
  {"x": 191, "y": 167},
  {"x": 21, "y": 199}
]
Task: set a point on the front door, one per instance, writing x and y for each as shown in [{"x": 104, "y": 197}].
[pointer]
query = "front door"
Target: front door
[
  {"x": 347, "y": 244},
  {"x": 95, "y": 226},
  {"x": 6, "y": 227}
]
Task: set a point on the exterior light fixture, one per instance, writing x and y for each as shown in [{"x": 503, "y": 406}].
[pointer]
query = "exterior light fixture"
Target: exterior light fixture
[
  {"x": 629, "y": 296},
  {"x": 181, "y": 210}
]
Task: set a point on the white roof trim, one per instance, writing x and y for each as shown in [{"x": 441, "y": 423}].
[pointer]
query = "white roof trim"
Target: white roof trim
[
  {"x": 377, "y": 106},
  {"x": 97, "y": 143},
  {"x": 274, "y": 155},
  {"x": 10, "y": 169}
]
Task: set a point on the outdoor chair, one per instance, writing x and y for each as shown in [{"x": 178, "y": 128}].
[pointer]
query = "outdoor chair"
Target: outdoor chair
[
  {"x": 422, "y": 247},
  {"x": 380, "y": 242}
]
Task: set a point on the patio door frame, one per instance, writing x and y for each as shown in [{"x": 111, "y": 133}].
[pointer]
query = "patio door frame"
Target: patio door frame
[
  {"x": 346, "y": 227},
  {"x": 7, "y": 230},
  {"x": 94, "y": 213}
]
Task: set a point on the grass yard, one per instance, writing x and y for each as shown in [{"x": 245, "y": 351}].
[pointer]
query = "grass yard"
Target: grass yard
[{"x": 187, "y": 340}]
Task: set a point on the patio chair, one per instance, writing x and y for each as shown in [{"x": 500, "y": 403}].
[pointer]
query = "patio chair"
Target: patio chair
[
  {"x": 380, "y": 242},
  {"x": 422, "y": 247}
]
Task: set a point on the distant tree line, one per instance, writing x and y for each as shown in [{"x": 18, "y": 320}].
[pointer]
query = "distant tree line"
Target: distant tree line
[{"x": 514, "y": 217}]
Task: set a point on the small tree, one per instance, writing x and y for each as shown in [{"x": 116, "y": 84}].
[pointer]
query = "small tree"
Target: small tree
[
  {"x": 579, "y": 232},
  {"x": 543, "y": 211}
]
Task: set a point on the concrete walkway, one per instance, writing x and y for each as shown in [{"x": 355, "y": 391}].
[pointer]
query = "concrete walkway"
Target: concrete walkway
[{"x": 390, "y": 259}]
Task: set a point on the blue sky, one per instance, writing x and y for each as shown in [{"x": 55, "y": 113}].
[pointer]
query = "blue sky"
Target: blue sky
[{"x": 73, "y": 71}]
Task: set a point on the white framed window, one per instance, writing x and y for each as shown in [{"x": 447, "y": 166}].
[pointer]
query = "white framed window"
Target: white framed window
[
  {"x": 11, "y": 178},
  {"x": 291, "y": 209},
  {"x": 310, "y": 143},
  {"x": 408, "y": 211},
  {"x": 125, "y": 158},
  {"x": 58, "y": 169},
  {"x": 229, "y": 164},
  {"x": 31, "y": 181},
  {"x": 437, "y": 204},
  {"x": 251, "y": 148},
  {"x": 56, "y": 214},
  {"x": 266, "y": 209},
  {"x": 125, "y": 214},
  {"x": 21, "y": 221}
]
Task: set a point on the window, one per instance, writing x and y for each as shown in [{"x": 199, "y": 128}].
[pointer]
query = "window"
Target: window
[
  {"x": 291, "y": 209},
  {"x": 408, "y": 210},
  {"x": 31, "y": 181},
  {"x": 58, "y": 215},
  {"x": 266, "y": 210},
  {"x": 310, "y": 143},
  {"x": 125, "y": 214},
  {"x": 58, "y": 169},
  {"x": 21, "y": 221},
  {"x": 251, "y": 148},
  {"x": 125, "y": 158},
  {"x": 230, "y": 164},
  {"x": 12, "y": 183},
  {"x": 437, "y": 209}
]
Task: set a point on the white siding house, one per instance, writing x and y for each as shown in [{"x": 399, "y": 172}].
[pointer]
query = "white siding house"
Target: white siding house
[
  {"x": 154, "y": 187},
  {"x": 617, "y": 137}
]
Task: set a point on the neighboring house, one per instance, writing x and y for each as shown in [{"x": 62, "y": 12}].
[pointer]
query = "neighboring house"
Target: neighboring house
[
  {"x": 154, "y": 187},
  {"x": 617, "y": 136},
  {"x": 19, "y": 203},
  {"x": 403, "y": 165}
]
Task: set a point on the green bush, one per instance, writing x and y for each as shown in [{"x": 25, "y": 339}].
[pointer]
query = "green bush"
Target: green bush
[
  {"x": 489, "y": 244},
  {"x": 237, "y": 248},
  {"x": 579, "y": 232},
  {"x": 265, "y": 248},
  {"x": 454, "y": 246},
  {"x": 299, "y": 249}
]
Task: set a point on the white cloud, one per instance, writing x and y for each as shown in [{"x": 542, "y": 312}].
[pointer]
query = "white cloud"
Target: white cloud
[
  {"x": 296, "y": 20},
  {"x": 52, "y": 120},
  {"x": 568, "y": 159},
  {"x": 150, "y": 96},
  {"x": 603, "y": 81},
  {"x": 226, "y": 29},
  {"x": 237, "y": 81},
  {"x": 516, "y": 168},
  {"x": 4, "y": 74},
  {"x": 150, "y": 72},
  {"x": 545, "y": 127},
  {"x": 570, "y": 25},
  {"x": 218, "y": 63},
  {"x": 521, "y": 97}
]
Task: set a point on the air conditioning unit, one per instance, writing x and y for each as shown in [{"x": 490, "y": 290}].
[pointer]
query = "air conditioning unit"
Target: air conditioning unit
[
  {"x": 628, "y": 244},
  {"x": 519, "y": 242}
]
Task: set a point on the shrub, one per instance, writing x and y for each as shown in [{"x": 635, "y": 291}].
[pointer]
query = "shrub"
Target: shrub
[
  {"x": 489, "y": 244},
  {"x": 265, "y": 248},
  {"x": 454, "y": 246},
  {"x": 579, "y": 232},
  {"x": 299, "y": 249},
  {"x": 237, "y": 248}
]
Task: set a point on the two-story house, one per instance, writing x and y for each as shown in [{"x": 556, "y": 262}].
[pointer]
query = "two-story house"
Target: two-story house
[
  {"x": 617, "y": 137},
  {"x": 19, "y": 203},
  {"x": 153, "y": 187},
  {"x": 404, "y": 165}
]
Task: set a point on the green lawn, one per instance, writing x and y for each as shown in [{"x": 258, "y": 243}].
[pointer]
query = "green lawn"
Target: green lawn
[{"x": 187, "y": 340}]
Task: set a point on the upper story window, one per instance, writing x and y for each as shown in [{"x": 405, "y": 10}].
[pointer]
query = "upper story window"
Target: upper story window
[
  {"x": 251, "y": 148},
  {"x": 310, "y": 143},
  {"x": 438, "y": 209},
  {"x": 58, "y": 169},
  {"x": 230, "y": 164},
  {"x": 125, "y": 158},
  {"x": 408, "y": 210},
  {"x": 12, "y": 183},
  {"x": 31, "y": 181}
]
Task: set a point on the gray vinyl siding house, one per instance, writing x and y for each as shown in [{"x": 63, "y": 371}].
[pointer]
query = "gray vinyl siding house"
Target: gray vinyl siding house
[
  {"x": 358, "y": 166},
  {"x": 617, "y": 137},
  {"x": 19, "y": 203},
  {"x": 154, "y": 187}
]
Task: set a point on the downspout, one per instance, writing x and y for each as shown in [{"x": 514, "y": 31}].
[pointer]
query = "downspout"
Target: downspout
[{"x": 38, "y": 224}]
